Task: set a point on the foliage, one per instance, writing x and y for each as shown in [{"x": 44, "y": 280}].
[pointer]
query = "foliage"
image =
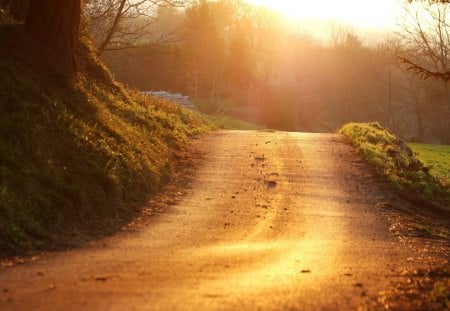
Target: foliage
[
  {"x": 267, "y": 72},
  {"x": 246, "y": 62},
  {"x": 77, "y": 156},
  {"x": 395, "y": 159},
  {"x": 437, "y": 158}
]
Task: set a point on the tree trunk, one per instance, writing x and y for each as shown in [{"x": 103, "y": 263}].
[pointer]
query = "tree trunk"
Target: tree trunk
[{"x": 56, "y": 25}]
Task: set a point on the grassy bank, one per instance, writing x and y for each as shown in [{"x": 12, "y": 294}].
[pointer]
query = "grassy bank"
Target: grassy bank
[
  {"x": 78, "y": 155},
  {"x": 396, "y": 161}
]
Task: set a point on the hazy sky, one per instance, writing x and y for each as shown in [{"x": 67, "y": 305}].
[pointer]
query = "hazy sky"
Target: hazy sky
[{"x": 375, "y": 14}]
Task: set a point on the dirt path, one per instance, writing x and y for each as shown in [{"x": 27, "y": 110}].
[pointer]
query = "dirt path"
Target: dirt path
[{"x": 269, "y": 221}]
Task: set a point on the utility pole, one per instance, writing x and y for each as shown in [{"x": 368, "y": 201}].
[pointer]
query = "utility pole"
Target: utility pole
[{"x": 390, "y": 101}]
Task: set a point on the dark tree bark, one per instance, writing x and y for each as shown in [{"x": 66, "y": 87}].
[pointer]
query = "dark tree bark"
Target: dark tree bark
[{"x": 56, "y": 25}]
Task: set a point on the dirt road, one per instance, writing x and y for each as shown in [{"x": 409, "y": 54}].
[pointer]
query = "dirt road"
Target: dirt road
[{"x": 268, "y": 221}]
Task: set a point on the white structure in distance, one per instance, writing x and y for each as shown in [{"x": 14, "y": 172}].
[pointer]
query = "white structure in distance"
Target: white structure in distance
[{"x": 176, "y": 98}]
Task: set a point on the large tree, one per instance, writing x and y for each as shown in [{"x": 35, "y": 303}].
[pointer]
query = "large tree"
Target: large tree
[{"x": 56, "y": 24}]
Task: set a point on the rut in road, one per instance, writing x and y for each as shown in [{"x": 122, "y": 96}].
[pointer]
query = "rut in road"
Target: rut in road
[{"x": 271, "y": 221}]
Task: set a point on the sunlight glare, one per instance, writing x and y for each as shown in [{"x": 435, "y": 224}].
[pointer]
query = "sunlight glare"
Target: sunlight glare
[{"x": 378, "y": 14}]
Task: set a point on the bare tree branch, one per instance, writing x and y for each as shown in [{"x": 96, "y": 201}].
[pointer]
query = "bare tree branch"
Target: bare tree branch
[
  {"x": 426, "y": 40},
  {"x": 423, "y": 72},
  {"x": 124, "y": 24}
]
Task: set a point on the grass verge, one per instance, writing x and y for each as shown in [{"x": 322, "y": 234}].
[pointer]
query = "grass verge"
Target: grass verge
[{"x": 396, "y": 161}]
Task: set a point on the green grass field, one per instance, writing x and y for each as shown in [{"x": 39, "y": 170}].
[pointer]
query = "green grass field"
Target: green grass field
[{"x": 437, "y": 158}]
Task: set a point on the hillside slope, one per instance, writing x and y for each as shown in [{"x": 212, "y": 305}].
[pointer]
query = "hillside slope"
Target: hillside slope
[{"x": 79, "y": 153}]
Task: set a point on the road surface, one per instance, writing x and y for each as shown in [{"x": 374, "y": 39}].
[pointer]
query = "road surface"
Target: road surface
[{"x": 267, "y": 221}]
